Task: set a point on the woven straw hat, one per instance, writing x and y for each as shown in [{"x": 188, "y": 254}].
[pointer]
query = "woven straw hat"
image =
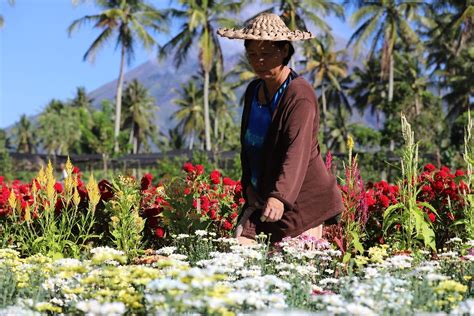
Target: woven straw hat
[{"x": 265, "y": 27}]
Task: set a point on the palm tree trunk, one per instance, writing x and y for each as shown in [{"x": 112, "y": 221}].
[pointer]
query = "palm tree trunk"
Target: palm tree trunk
[
  {"x": 323, "y": 121},
  {"x": 216, "y": 127},
  {"x": 104, "y": 162},
  {"x": 118, "y": 101},
  {"x": 390, "y": 94},
  {"x": 135, "y": 139},
  {"x": 417, "y": 105},
  {"x": 207, "y": 126},
  {"x": 390, "y": 80},
  {"x": 191, "y": 143}
]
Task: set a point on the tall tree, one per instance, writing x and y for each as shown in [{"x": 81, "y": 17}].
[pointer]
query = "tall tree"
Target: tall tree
[
  {"x": 326, "y": 68},
  {"x": 24, "y": 136},
  {"x": 128, "y": 21},
  {"x": 295, "y": 12},
  {"x": 2, "y": 20},
  {"x": 383, "y": 22},
  {"x": 190, "y": 114},
  {"x": 139, "y": 114},
  {"x": 200, "y": 20}
]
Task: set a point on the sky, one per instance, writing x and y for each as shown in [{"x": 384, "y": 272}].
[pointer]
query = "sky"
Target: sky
[{"x": 40, "y": 62}]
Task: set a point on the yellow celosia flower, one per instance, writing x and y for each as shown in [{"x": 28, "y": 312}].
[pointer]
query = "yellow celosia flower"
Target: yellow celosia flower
[
  {"x": 12, "y": 199},
  {"x": 27, "y": 214},
  {"x": 50, "y": 182},
  {"x": 350, "y": 142},
  {"x": 93, "y": 192},
  {"x": 41, "y": 177},
  {"x": 76, "y": 199}
]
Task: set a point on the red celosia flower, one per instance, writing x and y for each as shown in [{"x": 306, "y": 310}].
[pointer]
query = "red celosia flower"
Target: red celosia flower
[
  {"x": 228, "y": 181},
  {"x": 227, "y": 225},
  {"x": 432, "y": 217},
  {"x": 159, "y": 232},
  {"x": 212, "y": 214},
  {"x": 199, "y": 169},
  {"x": 459, "y": 173},
  {"x": 58, "y": 187},
  {"x": 385, "y": 201},
  {"x": 215, "y": 176},
  {"x": 429, "y": 167},
  {"x": 188, "y": 167},
  {"x": 146, "y": 181},
  {"x": 75, "y": 170}
]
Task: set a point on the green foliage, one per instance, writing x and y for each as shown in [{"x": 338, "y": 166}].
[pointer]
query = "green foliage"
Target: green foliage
[
  {"x": 126, "y": 224},
  {"x": 409, "y": 214}
]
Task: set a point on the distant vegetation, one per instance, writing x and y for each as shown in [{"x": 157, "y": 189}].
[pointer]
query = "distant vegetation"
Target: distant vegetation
[{"x": 417, "y": 59}]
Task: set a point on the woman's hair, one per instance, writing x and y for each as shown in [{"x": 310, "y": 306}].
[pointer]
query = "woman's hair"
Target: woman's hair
[{"x": 280, "y": 45}]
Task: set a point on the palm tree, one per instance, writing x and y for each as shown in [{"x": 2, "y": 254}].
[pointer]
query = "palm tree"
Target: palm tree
[
  {"x": 190, "y": 113},
  {"x": 201, "y": 17},
  {"x": 139, "y": 114},
  {"x": 368, "y": 89},
  {"x": 461, "y": 21},
  {"x": 325, "y": 66},
  {"x": 128, "y": 21},
  {"x": 81, "y": 100},
  {"x": 295, "y": 12},
  {"x": 24, "y": 135},
  {"x": 2, "y": 21},
  {"x": 222, "y": 99},
  {"x": 383, "y": 22}
]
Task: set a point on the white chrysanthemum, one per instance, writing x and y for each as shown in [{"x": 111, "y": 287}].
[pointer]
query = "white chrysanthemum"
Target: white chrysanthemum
[
  {"x": 182, "y": 236},
  {"x": 93, "y": 307},
  {"x": 464, "y": 308},
  {"x": 200, "y": 233},
  {"x": 167, "y": 251}
]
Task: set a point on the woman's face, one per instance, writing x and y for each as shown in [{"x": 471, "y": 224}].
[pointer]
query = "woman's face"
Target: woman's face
[{"x": 266, "y": 58}]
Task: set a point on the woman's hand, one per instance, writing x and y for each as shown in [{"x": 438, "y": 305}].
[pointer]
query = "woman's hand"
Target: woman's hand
[{"x": 273, "y": 210}]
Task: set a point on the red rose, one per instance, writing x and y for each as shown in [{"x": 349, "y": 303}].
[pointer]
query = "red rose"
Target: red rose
[
  {"x": 228, "y": 181},
  {"x": 445, "y": 169},
  {"x": 429, "y": 168},
  {"x": 159, "y": 232},
  {"x": 188, "y": 167},
  {"x": 187, "y": 191},
  {"x": 2, "y": 178},
  {"x": 199, "y": 169},
  {"x": 146, "y": 181},
  {"x": 205, "y": 203},
  {"x": 215, "y": 176},
  {"x": 432, "y": 217},
  {"x": 227, "y": 225},
  {"x": 233, "y": 215},
  {"x": 58, "y": 187}
]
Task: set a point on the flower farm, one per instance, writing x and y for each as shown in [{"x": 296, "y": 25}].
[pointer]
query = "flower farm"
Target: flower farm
[{"x": 137, "y": 246}]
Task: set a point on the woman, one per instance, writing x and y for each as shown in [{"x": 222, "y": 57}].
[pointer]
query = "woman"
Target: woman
[{"x": 286, "y": 184}]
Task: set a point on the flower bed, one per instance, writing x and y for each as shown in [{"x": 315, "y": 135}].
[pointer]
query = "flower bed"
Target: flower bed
[{"x": 214, "y": 276}]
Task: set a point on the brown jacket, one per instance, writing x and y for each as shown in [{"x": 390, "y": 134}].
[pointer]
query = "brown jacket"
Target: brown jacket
[{"x": 293, "y": 171}]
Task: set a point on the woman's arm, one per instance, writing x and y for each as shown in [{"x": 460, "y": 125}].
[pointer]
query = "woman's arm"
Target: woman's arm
[{"x": 298, "y": 140}]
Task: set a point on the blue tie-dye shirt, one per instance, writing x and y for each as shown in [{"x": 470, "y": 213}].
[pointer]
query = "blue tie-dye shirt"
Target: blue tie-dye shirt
[{"x": 259, "y": 122}]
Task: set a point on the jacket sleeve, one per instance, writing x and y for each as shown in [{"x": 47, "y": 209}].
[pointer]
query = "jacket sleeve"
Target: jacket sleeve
[{"x": 297, "y": 141}]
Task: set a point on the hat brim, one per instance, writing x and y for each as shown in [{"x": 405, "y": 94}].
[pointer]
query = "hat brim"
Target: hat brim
[{"x": 244, "y": 34}]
